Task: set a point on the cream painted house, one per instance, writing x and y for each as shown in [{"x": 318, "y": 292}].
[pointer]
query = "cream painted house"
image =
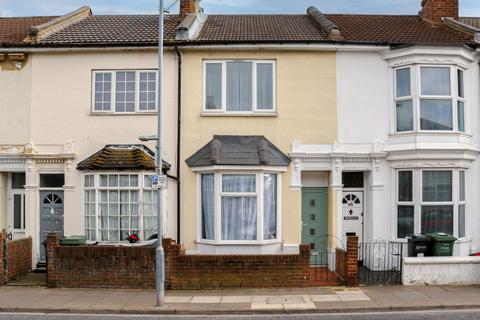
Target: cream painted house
[{"x": 61, "y": 105}]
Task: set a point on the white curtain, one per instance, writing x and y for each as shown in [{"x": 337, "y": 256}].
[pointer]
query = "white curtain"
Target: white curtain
[
  {"x": 265, "y": 86},
  {"x": 239, "y": 86},
  {"x": 239, "y": 213},
  {"x": 270, "y": 206},
  {"x": 213, "y": 93},
  {"x": 404, "y": 115},
  {"x": 208, "y": 211},
  {"x": 403, "y": 83},
  {"x": 437, "y": 186}
]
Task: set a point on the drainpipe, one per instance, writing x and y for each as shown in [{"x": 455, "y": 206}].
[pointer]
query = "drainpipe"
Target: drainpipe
[{"x": 179, "y": 123}]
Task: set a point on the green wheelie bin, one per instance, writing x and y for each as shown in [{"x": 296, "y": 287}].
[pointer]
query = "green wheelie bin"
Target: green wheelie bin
[{"x": 442, "y": 244}]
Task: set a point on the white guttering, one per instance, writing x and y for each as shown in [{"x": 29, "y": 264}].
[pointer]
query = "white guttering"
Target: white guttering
[{"x": 309, "y": 47}]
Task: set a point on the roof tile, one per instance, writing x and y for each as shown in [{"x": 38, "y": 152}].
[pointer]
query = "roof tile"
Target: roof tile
[{"x": 14, "y": 30}]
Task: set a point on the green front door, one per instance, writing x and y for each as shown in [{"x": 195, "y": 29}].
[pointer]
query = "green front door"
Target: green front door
[{"x": 315, "y": 223}]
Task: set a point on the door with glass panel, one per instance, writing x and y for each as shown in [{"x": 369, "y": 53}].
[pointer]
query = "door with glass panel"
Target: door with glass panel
[
  {"x": 51, "y": 217},
  {"x": 16, "y": 218},
  {"x": 315, "y": 223}
]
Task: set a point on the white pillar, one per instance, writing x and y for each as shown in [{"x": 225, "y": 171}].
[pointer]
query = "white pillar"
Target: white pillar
[
  {"x": 337, "y": 188},
  {"x": 32, "y": 208}
]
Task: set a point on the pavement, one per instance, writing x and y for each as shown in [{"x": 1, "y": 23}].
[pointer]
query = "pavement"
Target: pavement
[{"x": 242, "y": 301}]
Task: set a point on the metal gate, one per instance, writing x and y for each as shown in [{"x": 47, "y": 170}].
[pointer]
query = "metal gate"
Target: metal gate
[
  {"x": 327, "y": 261},
  {"x": 380, "y": 262}
]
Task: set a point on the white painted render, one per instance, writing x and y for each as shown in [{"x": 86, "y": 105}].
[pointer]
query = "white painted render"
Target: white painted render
[
  {"x": 55, "y": 120},
  {"x": 441, "y": 271},
  {"x": 367, "y": 140}
]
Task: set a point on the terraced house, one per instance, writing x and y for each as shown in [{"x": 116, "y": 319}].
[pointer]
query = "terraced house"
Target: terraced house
[{"x": 280, "y": 129}]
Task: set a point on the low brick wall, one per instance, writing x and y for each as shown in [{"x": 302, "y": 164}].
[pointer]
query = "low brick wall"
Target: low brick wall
[
  {"x": 352, "y": 261},
  {"x": 191, "y": 272},
  {"x": 99, "y": 266},
  {"x": 15, "y": 257},
  {"x": 3, "y": 270},
  {"x": 19, "y": 257},
  {"x": 134, "y": 267},
  {"x": 341, "y": 263}
]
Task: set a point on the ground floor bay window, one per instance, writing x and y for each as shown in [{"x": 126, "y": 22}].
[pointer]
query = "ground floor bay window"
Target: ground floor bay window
[
  {"x": 431, "y": 201},
  {"x": 117, "y": 205},
  {"x": 239, "y": 207}
]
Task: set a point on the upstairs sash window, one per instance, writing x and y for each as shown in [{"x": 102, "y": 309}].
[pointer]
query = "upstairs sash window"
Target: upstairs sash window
[{"x": 239, "y": 86}]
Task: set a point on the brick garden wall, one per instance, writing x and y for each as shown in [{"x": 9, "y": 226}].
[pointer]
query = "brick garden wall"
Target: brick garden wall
[
  {"x": 3, "y": 271},
  {"x": 19, "y": 257},
  {"x": 235, "y": 271},
  {"x": 15, "y": 257},
  {"x": 99, "y": 266},
  {"x": 134, "y": 267}
]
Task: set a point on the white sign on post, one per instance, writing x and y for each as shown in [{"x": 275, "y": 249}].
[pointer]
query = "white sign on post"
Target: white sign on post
[{"x": 159, "y": 182}]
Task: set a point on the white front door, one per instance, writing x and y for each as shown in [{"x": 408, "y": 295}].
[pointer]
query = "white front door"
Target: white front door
[{"x": 352, "y": 208}]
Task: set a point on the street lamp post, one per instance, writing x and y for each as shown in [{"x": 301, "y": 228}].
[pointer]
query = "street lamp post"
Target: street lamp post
[{"x": 160, "y": 255}]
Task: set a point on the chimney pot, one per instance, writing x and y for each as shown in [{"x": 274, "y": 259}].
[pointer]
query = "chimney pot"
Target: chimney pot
[{"x": 434, "y": 10}]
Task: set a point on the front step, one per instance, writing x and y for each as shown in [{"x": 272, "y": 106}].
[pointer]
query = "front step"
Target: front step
[{"x": 41, "y": 268}]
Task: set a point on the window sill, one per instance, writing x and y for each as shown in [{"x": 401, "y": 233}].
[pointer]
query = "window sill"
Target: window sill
[
  {"x": 239, "y": 114},
  {"x": 150, "y": 113},
  {"x": 238, "y": 243},
  {"x": 429, "y": 133}
]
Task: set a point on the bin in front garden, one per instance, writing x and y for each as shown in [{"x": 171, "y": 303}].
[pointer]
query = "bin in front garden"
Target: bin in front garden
[{"x": 442, "y": 244}]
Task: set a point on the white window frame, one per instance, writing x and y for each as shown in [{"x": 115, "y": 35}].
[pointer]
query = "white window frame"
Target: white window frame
[
  {"x": 417, "y": 181},
  {"x": 141, "y": 188},
  {"x": 259, "y": 194},
  {"x": 11, "y": 206},
  {"x": 416, "y": 96},
  {"x": 113, "y": 92},
  {"x": 255, "y": 110}
]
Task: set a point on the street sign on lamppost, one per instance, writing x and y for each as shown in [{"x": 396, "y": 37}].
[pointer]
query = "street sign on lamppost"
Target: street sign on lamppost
[{"x": 160, "y": 255}]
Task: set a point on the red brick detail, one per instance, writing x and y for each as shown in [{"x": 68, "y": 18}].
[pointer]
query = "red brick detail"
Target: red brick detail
[
  {"x": 188, "y": 6},
  {"x": 99, "y": 266},
  {"x": 191, "y": 272},
  {"x": 3, "y": 271},
  {"x": 351, "y": 268},
  {"x": 19, "y": 258},
  {"x": 134, "y": 267},
  {"x": 435, "y": 10},
  {"x": 341, "y": 263}
]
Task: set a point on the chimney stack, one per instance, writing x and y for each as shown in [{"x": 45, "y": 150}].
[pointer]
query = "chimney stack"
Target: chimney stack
[
  {"x": 189, "y": 7},
  {"x": 434, "y": 10}
]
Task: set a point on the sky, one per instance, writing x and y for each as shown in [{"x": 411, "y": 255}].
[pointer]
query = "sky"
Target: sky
[{"x": 58, "y": 7}]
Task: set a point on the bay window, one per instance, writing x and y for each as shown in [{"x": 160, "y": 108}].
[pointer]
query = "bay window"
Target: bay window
[
  {"x": 239, "y": 207},
  {"x": 126, "y": 91},
  {"x": 430, "y": 201},
  {"x": 117, "y": 205},
  {"x": 429, "y": 98},
  {"x": 239, "y": 86}
]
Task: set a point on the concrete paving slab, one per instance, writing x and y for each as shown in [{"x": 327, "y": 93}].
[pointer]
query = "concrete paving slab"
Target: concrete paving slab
[
  {"x": 300, "y": 306},
  {"x": 286, "y": 300},
  {"x": 206, "y": 299},
  {"x": 324, "y": 298},
  {"x": 236, "y": 299},
  {"x": 353, "y": 297},
  {"x": 186, "y": 299},
  {"x": 266, "y": 306}
]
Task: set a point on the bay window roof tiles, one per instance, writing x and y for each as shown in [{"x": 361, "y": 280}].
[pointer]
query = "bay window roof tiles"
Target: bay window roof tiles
[
  {"x": 121, "y": 157},
  {"x": 238, "y": 150}
]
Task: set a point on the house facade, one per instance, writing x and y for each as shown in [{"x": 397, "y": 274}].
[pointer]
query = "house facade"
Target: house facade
[
  {"x": 65, "y": 104},
  {"x": 280, "y": 129}
]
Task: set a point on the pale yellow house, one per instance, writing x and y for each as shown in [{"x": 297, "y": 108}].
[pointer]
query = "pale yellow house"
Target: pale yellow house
[{"x": 280, "y": 94}]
